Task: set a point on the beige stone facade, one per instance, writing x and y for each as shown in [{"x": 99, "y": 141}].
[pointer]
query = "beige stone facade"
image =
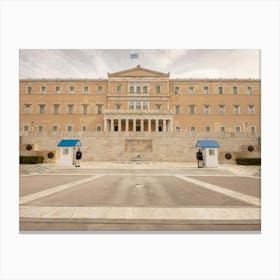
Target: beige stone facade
[{"x": 163, "y": 117}]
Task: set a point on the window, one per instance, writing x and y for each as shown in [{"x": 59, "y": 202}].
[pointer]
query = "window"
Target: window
[
  {"x": 131, "y": 104},
  {"x": 119, "y": 88},
  {"x": 100, "y": 89},
  {"x": 157, "y": 89},
  {"x": 235, "y": 91},
  {"x": 84, "y": 128},
  {"x": 29, "y": 90},
  {"x": 221, "y": 90},
  {"x": 253, "y": 129},
  {"x": 251, "y": 109},
  {"x": 57, "y": 89},
  {"x": 65, "y": 151},
  {"x": 211, "y": 152},
  {"x": 138, "y": 104},
  {"x": 145, "y": 104},
  {"x": 157, "y": 106},
  {"x": 98, "y": 128},
  {"x": 145, "y": 89},
  {"x": 177, "y": 109},
  {"x": 192, "y": 109},
  {"x": 71, "y": 90},
  {"x": 205, "y": 90},
  {"x": 54, "y": 128},
  {"x": 221, "y": 109},
  {"x": 191, "y": 89},
  {"x": 41, "y": 108},
  {"x": 69, "y": 128},
  {"x": 27, "y": 108},
  {"x": 117, "y": 106},
  {"x": 249, "y": 90},
  {"x": 131, "y": 89},
  {"x": 222, "y": 129},
  {"x": 40, "y": 128},
  {"x": 138, "y": 89},
  {"x": 70, "y": 108},
  {"x": 85, "y": 90},
  {"x": 178, "y": 129},
  {"x": 207, "y": 129},
  {"x": 206, "y": 109},
  {"x": 43, "y": 90},
  {"x": 236, "y": 109},
  {"x": 192, "y": 129},
  {"x": 25, "y": 128},
  {"x": 55, "y": 108},
  {"x": 177, "y": 90},
  {"x": 99, "y": 109},
  {"x": 237, "y": 129},
  {"x": 85, "y": 109}
]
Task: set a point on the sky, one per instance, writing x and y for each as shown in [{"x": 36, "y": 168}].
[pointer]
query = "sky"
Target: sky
[{"x": 181, "y": 63}]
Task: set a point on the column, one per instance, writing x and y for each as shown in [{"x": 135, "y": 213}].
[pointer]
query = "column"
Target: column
[
  {"x": 156, "y": 125},
  {"x": 105, "y": 124},
  {"x": 112, "y": 125},
  {"x": 126, "y": 124},
  {"x": 142, "y": 125},
  {"x": 119, "y": 125},
  {"x": 149, "y": 125},
  {"x": 164, "y": 125}
]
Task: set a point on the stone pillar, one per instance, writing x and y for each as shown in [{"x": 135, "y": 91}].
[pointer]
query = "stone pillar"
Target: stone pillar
[
  {"x": 112, "y": 125},
  {"x": 105, "y": 124},
  {"x": 149, "y": 125},
  {"x": 126, "y": 124},
  {"x": 164, "y": 125},
  {"x": 119, "y": 124},
  {"x": 134, "y": 125},
  {"x": 171, "y": 125},
  {"x": 142, "y": 125},
  {"x": 156, "y": 125}
]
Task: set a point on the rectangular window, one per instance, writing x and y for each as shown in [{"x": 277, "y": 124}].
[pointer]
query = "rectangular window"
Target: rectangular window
[
  {"x": 43, "y": 90},
  {"x": 157, "y": 106},
  {"x": 191, "y": 89},
  {"x": 119, "y": 88},
  {"x": 221, "y": 90},
  {"x": 131, "y": 105},
  {"x": 71, "y": 90},
  {"x": 54, "y": 128},
  {"x": 117, "y": 106},
  {"x": 131, "y": 89},
  {"x": 27, "y": 108},
  {"x": 84, "y": 128},
  {"x": 55, "y": 108},
  {"x": 99, "y": 109},
  {"x": 221, "y": 109},
  {"x": 138, "y": 104},
  {"x": 145, "y": 104},
  {"x": 236, "y": 109},
  {"x": 237, "y": 129},
  {"x": 145, "y": 89},
  {"x": 251, "y": 109},
  {"x": 192, "y": 129},
  {"x": 235, "y": 91},
  {"x": 70, "y": 108},
  {"x": 249, "y": 90},
  {"x": 57, "y": 89},
  {"x": 85, "y": 90},
  {"x": 178, "y": 129},
  {"x": 41, "y": 108},
  {"x": 211, "y": 152},
  {"x": 65, "y": 151},
  {"x": 69, "y": 128},
  {"x": 98, "y": 128},
  {"x": 29, "y": 90},
  {"x": 177, "y": 109},
  {"x": 25, "y": 128},
  {"x": 253, "y": 130},
  {"x": 207, "y": 129},
  {"x": 100, "y": 89},
  {"x": 206, "y": 109},
  {"x": 192, "y": 109},
  {"x": 138, "y": 89},
  {"x": 157, "y": 89},
  {"x": 177, "y": 90},
  {"x": 222, "y": 129},
  {"x": 85, "y": 109},
  {"x": 40, "y": 128},
  {"x": 205, "y": 90}
]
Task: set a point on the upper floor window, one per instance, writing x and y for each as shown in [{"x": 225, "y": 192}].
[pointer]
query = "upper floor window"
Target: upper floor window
[
  {"x": 117, "y": 106},
  {"x": 157, "y": 106},
  {"x": 145, "y": 104},
  {"x": 253, "y": 129},
  {"x": 131, "y": 104},
  {"x": 177, "y": 109},
  {"x": 192, "y": 129},
  {"x": 29, "y": 90},
  {"x": 222, "y": 129},
  {"x": 205, "y": 90},
  {"x": 119, "y": 88},
  {"x": 206, "y": 109},
  {"x": 236, "y": 109},
  {"x": 221, "y": 109},
  {"x": 98, "y": 128},
  {"x": 25, "y": 128},
  {"x": 57, "y": 89},
  {"x": 178, "y": 129},
  {"x": 138, "y": 104},
  {"x": 54, "y": 128},
  {"x": 71, "y": 90},
  {"x": 70, "y": 108},
  {"x": 207, "y": 128},
  {"x": 131, "y": 89},
  {"x": 157, "y": 89},
  {"x": 177, "y": 90},
  {"x": 85, "y": 90},
  {"x": 27, "y": 108},
  {"x": 191, "y": 89},
  {"x": 85, "y": 109},
  {"x": 235, "y": 90},
  {"x": 237, "y": 129},
  {"x": 138, "y": 89},
  {"x": 43, "y": 89},
  {"x": 100, "y": 89},
  {"x": 192, "y": 109},
  {"x": 145, "y": 89},
  {"x": 251, "y": 109},
  {"x": 55, "y": 108},
  {"x": 40, "y": 128},
  {"x": 221, "y": 90},
  {"x": 41, "y": 108},
  {"x": 249, "y": 90},
  {"x": 99, "y": 109},
  {"x": 69, "y": 128}
]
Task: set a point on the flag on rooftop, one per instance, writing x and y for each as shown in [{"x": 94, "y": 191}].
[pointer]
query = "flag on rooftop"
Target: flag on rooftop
[{"x": 134, "y": 55}]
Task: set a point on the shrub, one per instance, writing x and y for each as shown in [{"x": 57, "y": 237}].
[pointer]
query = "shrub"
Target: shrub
[
  {"x": 248, "y": 161},
  {"x": 31, "y": 159}
]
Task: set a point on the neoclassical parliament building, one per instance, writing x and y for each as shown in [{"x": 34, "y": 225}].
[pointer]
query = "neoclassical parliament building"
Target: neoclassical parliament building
[{"x": 140, "y": 112}]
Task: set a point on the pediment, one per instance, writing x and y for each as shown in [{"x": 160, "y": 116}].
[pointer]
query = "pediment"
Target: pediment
[{"x": 138, "y": 71}]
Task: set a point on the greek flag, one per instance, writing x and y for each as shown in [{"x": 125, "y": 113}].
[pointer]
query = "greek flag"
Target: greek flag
[{"x": 134, "y": 55}]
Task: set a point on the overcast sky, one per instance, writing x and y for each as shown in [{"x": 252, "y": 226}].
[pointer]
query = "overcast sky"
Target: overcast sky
[{"x": 83, "y": 63}]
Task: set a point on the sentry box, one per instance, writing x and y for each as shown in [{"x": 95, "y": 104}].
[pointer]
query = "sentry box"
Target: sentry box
[
  {"x": 67, "y": 151},
  {"x": 209, "y": 150}
]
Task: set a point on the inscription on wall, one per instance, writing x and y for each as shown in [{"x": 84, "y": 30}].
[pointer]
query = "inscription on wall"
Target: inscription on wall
[{"x": 133, "y": 145}]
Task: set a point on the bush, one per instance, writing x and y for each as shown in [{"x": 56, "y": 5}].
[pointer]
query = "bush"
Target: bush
[
  {"x": 248, "y": 161},
  {"x": 31, "y": 159}
]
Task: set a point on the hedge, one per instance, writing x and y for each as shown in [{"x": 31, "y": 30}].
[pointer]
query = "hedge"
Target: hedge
[
  {"x": 248, "y": 161},
  {"x": 31, "y": 159}
]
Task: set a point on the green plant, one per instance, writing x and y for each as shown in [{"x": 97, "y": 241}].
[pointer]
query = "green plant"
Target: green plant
[
  {"x": 248, "y": 161},
  {"x": 31, "y": 159}
]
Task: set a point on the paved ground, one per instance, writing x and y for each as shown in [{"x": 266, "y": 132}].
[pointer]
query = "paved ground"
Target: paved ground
[{"x": 139, "y": 196}]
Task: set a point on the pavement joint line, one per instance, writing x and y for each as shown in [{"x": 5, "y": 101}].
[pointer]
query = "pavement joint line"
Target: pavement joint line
[
  {"x": 134, "y": 213},
  {"x": 38, "y": 195},
  {"x": 230, "y": 193}
]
